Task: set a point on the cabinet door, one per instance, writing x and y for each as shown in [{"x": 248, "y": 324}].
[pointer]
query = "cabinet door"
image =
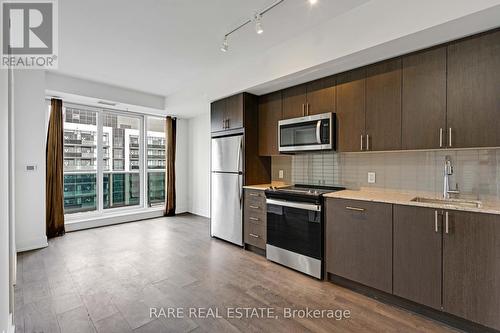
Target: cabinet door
[
  {"x": 321, "y": 96},
  {"x": 269, "y": 115},
  {"x": 474, "y": 91},
  {"x": 218, "y": 115},
  {"x": 350, "y": 91},
  {"x": 234, "y": 111},
  {"x": 424, "y": 100},
  {"x": 383, "y": 105},
  {"x": 359, "y": 242},
  {"x": 417, "y": 255},
  {"x": 294, "y": 102},
  {"x": 471, "y": 267}
]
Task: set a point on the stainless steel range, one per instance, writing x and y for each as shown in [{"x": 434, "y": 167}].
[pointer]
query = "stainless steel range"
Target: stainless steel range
[{"x": 295, "y": 227}]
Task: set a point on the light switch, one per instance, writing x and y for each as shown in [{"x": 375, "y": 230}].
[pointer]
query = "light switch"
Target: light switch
[
  {"x": 280, "y": 174},
  {"x": 31, "y": 167},
  {"x": 371, "y": 177}
]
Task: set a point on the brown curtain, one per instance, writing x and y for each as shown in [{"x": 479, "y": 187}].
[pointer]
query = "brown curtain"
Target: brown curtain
[
  {"x": 54, "y": 210},
  {"x": 170, "y": 133}
]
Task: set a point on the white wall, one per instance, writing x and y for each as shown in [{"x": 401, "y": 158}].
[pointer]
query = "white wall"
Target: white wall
[
  {"x": 29, "y": 130},
  {"x": 4, "y": 204},
  {"x": 199, "y": 164},
  {"x": 181, "y": 166}
]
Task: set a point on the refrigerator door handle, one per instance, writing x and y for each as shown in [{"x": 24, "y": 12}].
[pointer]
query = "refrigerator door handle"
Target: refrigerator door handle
[{"x": 240, "y": 186}]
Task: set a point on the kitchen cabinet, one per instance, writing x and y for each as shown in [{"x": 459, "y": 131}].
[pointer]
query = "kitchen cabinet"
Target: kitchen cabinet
[
  {"x": 294, "y": 102},
  {"x": 308, "y": 99},
  {"x": 383, "y": 106},
  {"x": 474, "y": 91},
  {"x": 471, "y": 267},
  {"x": 227, "y": 113},
  {"x": 218, "y": 115},
  {"x": 270, "y": 107},
  {"x": 417, "y": 252},
  {"x": 424, "y": 99},
  {"x": 359, "y": 242},
  {"x": 350, "y": 110},
  {"x": 321, "y": 96},
  {"x": 255, "y": 219}
]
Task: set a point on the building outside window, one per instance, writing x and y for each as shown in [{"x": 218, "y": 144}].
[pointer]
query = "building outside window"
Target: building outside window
[{"x": 116, "y": 166}]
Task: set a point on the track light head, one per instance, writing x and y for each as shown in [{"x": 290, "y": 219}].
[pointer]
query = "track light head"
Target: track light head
[
  {"x": 313, "y": 2},
  {"x": 225, "y": 45},
  {"x": 258, "y": 24}
]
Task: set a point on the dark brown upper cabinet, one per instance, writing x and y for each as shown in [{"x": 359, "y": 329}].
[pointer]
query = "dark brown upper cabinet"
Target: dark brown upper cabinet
[
  {"x": 308, "y": 99},
  {"x": 417, "y": 255},
  {"x": 294, "y": 102},
  {"x": 269, "y": 115},
  {"x": 227, "y": 113},
  {"x": 471, "y": 267},
  {"x": 474, "y": 91},
  {"x": 321, "y": 96},
  {"x": 218, "y": 115},
  {"x": 424, "y": 99},
  {"x": 383, "y": 106},
  {"x": 350, "y": 110}
]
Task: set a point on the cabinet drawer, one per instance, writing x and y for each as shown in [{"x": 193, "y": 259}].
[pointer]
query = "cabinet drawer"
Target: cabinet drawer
[
  {"x": 255, "y": 195},
  {"x": 253, "y": 206},
  {"x": 255, "y": 234},
  {"x": 255, "y": 218}
]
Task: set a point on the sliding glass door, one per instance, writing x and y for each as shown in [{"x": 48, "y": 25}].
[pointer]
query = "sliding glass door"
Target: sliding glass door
[{"x": 124, "y": 169}]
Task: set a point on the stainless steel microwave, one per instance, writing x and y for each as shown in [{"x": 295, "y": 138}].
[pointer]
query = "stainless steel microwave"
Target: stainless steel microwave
[{"x": 315, "y": 132}]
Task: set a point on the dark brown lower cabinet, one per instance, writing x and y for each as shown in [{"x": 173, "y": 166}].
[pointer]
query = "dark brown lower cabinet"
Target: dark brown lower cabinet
[
  {"x": 359, "y": 242},
  {"x": 471, "y": 267},
  {"x": 417, "y": 255}
]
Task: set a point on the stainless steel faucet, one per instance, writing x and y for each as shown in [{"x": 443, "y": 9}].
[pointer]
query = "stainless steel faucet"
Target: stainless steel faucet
[{"x": 448, "y": 171}]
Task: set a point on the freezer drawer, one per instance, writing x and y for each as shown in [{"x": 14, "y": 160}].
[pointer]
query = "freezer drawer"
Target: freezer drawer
[{"x": 227, "y": 203}]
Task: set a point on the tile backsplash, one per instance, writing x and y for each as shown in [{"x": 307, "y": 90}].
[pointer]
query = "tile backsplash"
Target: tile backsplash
[{"x": 477, "y": 171}]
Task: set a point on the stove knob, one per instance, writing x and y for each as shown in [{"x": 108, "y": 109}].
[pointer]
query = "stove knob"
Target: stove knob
[{"x": 316, "y": 193}]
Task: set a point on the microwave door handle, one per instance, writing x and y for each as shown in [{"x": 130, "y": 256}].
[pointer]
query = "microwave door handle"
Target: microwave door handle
[{"x": 318, "y": 132}]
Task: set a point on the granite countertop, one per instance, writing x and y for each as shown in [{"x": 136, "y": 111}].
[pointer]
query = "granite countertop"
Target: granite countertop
[
  {"x": 263, "y": 187},
  {"x": 404, "y": 198}
]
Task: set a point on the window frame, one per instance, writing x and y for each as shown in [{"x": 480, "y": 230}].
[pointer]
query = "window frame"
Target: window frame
[{"x": 100, "y": 211}]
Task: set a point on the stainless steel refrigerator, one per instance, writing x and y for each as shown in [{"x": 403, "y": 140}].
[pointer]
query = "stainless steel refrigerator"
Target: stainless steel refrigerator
[{"x": 227, "y": 189}]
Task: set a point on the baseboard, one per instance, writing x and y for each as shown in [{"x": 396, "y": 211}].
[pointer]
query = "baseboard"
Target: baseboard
[
  {"x": 201, "y": 213},
  {"x": 32, "y": 244}
]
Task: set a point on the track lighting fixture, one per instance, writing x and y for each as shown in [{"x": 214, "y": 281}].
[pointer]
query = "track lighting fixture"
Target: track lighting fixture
[
  {"x": 225, "y": 45},
  {"x": 257, "y": 18},
  {"x": 258, "y": 23}
]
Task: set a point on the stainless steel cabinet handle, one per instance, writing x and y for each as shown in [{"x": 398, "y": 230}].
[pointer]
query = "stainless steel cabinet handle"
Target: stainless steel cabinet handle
[
  {"x": 303, "y": 109},
  {"x": 227, "y": 120},
  {"x": 307, "y": 110},
  {"x": 254, "y": 195},
  {"x": 361, "y": 142},
  {"x": 436, "y": 227},
  {"x": 449, "y": 138},
  {"x": 367, "y": 142},
  {"x": 254, "y": 207},
  {"x": 254, "y": 218},
  {"x": 355, "y": 209},
  {"x": 440, "y": 138},
  {"x": 446, "y": 223},
  {"x": 254, "y": 235}
]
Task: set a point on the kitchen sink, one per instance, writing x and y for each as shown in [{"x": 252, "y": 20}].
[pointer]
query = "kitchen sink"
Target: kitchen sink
[{"x": 449, "y": 202}]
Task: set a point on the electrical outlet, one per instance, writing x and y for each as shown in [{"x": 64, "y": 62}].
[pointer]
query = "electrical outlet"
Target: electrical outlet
[
  {"x": 280, "y": 174},
  {"x": 371, "y": 177}
]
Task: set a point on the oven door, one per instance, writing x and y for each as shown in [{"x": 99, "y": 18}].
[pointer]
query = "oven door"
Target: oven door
[
  {"x": 306, "y": 133},
  {"x": 295, "y": 226}
]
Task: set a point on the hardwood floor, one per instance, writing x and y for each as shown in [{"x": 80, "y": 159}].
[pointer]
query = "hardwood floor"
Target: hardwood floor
[{"x": 107, "y": 279}]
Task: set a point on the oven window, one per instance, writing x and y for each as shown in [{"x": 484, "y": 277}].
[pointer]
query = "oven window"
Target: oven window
[{"x": 296, "y": 230}]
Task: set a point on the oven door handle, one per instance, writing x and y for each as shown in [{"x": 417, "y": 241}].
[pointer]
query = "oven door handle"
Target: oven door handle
[{"x": 293, "y": 204}]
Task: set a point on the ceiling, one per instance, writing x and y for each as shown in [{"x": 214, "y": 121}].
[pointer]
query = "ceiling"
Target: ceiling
[{"x": 162, "y": 46}]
